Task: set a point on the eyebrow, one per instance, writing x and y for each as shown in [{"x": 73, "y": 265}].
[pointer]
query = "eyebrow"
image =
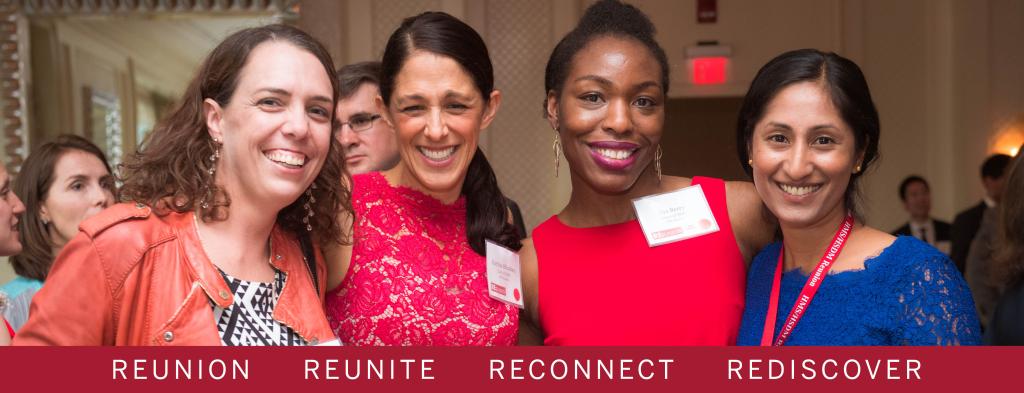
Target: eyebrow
[
  {"x": 606, "y": 82},
  {"x": 594, "y": 78},
  {"x": 286, "y": 93},
  {"x": 417, "y": 97},
  {"x": 814, "y": 128}
]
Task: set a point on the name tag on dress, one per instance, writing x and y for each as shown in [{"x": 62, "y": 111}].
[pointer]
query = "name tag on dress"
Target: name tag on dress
[
  {"x": 503, "y": 275},
  {"x": 675, "y": 216}
]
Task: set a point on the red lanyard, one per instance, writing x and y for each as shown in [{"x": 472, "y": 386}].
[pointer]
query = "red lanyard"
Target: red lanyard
[{"x": 810, "y": 288}]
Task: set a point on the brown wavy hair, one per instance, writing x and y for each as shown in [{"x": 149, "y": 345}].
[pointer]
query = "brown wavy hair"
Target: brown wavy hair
[
  {"x": 171, "y": 169},
  {"x": 1009, "y": 254},
  {"x": 32, "y": 186}
]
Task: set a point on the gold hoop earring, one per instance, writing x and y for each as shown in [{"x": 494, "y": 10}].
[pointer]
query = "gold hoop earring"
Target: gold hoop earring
[
  {"x": 557, "y": 148},
  {"x": 657, "y": 162}
]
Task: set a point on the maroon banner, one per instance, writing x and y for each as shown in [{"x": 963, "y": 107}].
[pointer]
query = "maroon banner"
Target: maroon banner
[{"x": 593, "y": 369}]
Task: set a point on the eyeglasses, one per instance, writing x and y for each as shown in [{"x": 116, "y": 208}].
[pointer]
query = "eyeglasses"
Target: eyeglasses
[{"x": 360, "y": 123}]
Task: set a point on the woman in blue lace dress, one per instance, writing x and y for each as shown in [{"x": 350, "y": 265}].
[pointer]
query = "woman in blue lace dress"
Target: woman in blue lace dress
[{"x": 807, "y": 131}]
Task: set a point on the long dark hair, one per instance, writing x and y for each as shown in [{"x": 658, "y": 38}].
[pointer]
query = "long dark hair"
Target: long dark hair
[
  {"x": 847, "y": 88},
  {"x": 445, "y": 35},
  {"x": 1009, "y": 255},
  {"x": 169, "y": 172},
  {"x": 32, "y": 186}
]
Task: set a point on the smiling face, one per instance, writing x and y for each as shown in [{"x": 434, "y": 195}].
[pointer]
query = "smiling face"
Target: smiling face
[
  {"x": 10, "y": 208},
  {"x": 81, "y": 188},
  {"x": 372, "y": 149},
  {"x": 803, "y": 156},
  {"x": 276, "y": 129},
  {"x": 438, "y": 113},
  {"x": 610, "y": 113}
]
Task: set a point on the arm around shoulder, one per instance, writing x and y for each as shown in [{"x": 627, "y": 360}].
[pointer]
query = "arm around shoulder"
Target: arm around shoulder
[{"x": 753, "y": 226}]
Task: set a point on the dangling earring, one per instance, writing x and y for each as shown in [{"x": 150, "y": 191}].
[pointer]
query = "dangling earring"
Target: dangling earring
[
  {"x": 557, "y": 148},
  {"x": 204, "y": 203},
  {"x": 310, "y": 200},
  {"x": 657, "y": 162},
  {"x": 45, "y": 221}
]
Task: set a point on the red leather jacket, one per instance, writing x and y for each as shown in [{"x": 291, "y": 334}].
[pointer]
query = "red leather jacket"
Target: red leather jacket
[{"x": 132, "y": 277}]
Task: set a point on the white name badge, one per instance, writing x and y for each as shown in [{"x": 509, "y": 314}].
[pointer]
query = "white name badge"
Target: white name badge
[
  {"x": 503, "y": 275},
  {"x": 675, "y": 216}
]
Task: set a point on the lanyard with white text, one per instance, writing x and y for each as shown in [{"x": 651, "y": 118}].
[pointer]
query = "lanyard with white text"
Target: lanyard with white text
[{"x": 810, "y": 288}]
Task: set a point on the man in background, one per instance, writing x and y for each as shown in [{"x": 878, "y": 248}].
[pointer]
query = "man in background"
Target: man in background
[
  {"x": 917, "y": 201},
  {"x": 967, "y": 223},
  {"x": 369, "y": 144}
]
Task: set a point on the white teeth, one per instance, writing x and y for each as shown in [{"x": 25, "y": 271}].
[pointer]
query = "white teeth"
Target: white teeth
[
  {"x": 798, "y": 191},
  {"x": 438, "y": 155},
  {"x": 286, "y": 157},
  {"x": 614, "y": 154}
]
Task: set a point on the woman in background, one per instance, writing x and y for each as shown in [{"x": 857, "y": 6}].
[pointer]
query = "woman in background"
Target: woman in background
[
  {"x": 10, "y": 209},
  {"x": 807, "y": 132},
  {"x": 415, "y": 273},
  {"x": 1007, "y": 325},
  {"x": 62, "y": 183}
]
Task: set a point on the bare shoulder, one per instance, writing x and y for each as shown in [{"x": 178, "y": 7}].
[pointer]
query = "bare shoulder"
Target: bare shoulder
[{"x": 672, "y": 183}]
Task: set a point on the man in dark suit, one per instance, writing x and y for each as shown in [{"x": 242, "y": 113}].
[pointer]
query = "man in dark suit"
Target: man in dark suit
[
  {"x": 917, "y": 200},
  {"x": 966, "y": 224}
]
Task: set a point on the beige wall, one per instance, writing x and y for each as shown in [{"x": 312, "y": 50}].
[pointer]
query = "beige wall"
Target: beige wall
[{"x": 945, "y": 74}]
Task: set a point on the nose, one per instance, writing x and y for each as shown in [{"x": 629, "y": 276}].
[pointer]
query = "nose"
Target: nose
[
  {"x": 618, "y": 118},
  {"x": 16, "y": 206},
  {"x": 297, "y": 122},
  {"x": 798, "y": 165},
  {"x": 102, "y": 197},
  {"x": 436, "y": 127},
  {"x": 347, "y": 137}
]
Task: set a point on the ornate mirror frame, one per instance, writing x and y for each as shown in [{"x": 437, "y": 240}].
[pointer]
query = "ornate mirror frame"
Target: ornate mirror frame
[{"x": 15, "y": 59}]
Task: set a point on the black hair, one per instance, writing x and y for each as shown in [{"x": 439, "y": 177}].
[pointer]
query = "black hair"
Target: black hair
[
  {"x": 906, "y": 183},
  {"x": 995, "y": 165},
  {"x": 443, "y": 34},
  {"x": 603, "y": 18},
  {"x": 847, "y": 89},
  {"x": 352, "y": 76}
]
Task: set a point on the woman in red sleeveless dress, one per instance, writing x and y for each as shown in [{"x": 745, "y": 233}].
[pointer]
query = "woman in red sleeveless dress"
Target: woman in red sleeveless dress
[{"x": 589, "y": 276}]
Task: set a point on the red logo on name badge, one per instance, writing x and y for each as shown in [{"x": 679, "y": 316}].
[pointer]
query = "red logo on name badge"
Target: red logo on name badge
[
  {"x": 515, "y": 294},
  {"x": 704, "y": 223},
  {"x": 498, "y": 289}
]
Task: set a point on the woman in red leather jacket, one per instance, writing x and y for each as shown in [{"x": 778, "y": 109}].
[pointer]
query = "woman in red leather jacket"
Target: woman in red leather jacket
[{"x": 207, "y": 252}]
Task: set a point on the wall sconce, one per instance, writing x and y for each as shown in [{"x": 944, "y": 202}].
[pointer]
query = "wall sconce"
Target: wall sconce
[{"x": 1009, "y": 138}]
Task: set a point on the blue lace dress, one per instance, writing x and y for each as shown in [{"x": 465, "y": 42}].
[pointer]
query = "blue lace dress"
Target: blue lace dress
[{"x": 910, "y": 294}]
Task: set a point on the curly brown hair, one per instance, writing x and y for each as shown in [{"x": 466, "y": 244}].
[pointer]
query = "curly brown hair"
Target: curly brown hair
[{"x": 171, "y": 169}]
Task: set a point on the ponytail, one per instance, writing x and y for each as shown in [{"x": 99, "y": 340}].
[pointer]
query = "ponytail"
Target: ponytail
[{"x": 486, "y": 208}]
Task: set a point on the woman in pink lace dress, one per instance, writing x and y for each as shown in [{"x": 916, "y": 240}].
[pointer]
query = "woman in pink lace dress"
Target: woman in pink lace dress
[{"x": 415, "y": 273}]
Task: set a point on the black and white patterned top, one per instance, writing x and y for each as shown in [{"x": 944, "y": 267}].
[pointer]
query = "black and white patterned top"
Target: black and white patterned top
[{"x": 249, "y": 320}]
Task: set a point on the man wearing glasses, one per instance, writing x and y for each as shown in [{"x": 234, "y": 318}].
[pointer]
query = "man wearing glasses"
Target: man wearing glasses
[{"x": 368, "y": 142}]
